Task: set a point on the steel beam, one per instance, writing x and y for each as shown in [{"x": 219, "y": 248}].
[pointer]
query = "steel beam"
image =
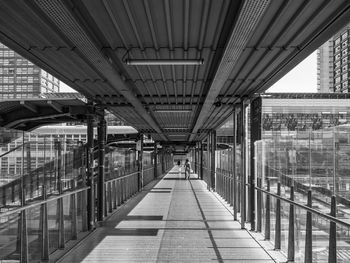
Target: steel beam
[{"x": 233, "y": 50}]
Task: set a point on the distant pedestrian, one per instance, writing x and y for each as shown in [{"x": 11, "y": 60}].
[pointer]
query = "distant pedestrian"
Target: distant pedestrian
[
  {"x": 187, "y": 169},
  {"x": 179, "y": 167}
]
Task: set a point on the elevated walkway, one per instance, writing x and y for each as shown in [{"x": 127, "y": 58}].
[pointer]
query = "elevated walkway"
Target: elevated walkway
[{"x": 173, "y": 220}]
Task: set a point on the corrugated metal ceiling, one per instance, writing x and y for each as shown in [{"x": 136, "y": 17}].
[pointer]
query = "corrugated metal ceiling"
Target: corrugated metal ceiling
[{"x": 246, "y": 47}]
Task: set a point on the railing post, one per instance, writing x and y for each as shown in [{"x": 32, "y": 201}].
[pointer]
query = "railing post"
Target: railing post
[
  {"x": 60, "y": 214},
  {"x": 259, "y": 207},
  {"x": 90, "y": 174},
  {"x": 101, "y": 134},
  {"x": 308, "y": 234},
  {"x": 29, "y": 168},
  {"x": 291, "y": 238},
  {"x": 278, "y": 219},
  {"x": 44, "y": 228},
  {"x": 332, "y": 254},
  {"x": 267, "y": 213},
  {"x": 114, "y": 191},
  {"x": 73, "y": 207}
]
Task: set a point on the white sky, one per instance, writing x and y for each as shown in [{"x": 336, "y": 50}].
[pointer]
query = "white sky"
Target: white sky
[{"x": 303, "y": 78}]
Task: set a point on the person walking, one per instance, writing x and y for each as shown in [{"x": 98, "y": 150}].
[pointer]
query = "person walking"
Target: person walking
[{"x": 187, "y": 169}]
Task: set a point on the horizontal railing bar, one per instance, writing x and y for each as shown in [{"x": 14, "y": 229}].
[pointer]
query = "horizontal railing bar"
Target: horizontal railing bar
[
  {"x": 121, "y": 177},
  {"x": 124, "y": 176},
  {"x": 14, "y": 149},
  {"x": 314, "y": 211},
  {"x": 42, "y": 202}
]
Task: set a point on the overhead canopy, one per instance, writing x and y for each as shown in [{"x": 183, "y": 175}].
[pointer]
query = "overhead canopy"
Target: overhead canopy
[
  {"x": 27, "y": 114},
  {"x": 245, "y": 47}
]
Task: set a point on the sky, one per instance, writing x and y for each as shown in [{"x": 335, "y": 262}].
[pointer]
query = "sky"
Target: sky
[{"x": 303, "y": 78}]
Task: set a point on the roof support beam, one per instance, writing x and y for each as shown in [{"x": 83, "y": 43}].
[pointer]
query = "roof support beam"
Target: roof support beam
[
  {"x": 238, "y": 39},
  {"x": 13, "y": 124},
  {"x": 29, "y": 106},
  {"x": 75, "y": 29},
  {"x": 55, "y": 106}
]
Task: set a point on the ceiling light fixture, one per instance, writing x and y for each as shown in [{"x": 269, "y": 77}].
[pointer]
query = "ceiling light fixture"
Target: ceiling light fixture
[
  {"x": 173, "y": 111},
  {"x": 161, "y": 62}
]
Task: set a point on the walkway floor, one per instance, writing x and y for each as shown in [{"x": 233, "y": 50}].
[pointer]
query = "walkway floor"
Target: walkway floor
[{"x": 175, "y": 221}]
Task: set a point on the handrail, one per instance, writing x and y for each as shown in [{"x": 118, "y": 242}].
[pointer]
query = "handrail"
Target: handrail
[
  {"x": 314, "y": 211},
  {"x": 121, "y": 177},
  {"x": 43, "y": 201},
  {"x": 127, "y": 175},
  {"x": 14, "y": 149}
]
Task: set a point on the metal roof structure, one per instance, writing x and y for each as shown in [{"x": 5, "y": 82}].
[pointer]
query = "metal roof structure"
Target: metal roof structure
[
  {"x": 27, "y": 114},
  {"x": 242, "y": 47}
]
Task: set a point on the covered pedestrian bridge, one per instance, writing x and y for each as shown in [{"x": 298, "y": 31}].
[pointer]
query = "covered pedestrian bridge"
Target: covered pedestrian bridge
[{"x": 175, "y": 71}]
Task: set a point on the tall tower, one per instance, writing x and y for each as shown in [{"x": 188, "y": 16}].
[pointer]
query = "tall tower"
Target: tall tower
[
  {"x": 325, "y": 67},
  {"x": 19, "y": 78},
  {"x": 333, "y": 63}
]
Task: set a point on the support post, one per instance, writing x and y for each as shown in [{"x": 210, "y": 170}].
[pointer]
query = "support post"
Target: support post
[
  {"x": 89, "y": 174},
  {"x": 155, "y": 160},
  {"x": 60, "y": 214},
  {"x": 291, "y": 238},
  {"x": 308, "y": 234},
  {"x": 140, "y": 164},
  {"x": 101, "y": 135},
  {"x": 212, "y": 166},
  {"x": 201, "y": 160},
  {"x": 23, "y": 234},
  {"x": 243, "y": 167},
  {"x": 234, "y": 168},
  {"x": 208, "y": 178},
  {"x": 332, "y": 254}
]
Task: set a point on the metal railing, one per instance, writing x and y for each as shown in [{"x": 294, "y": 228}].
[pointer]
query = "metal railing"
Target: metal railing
[
  {"x": 34, "y": 231},
  {"x": 298, "y": 223}
]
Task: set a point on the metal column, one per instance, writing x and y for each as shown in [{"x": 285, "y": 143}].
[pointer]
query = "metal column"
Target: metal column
[
  {"x": 208, "y": 178},
  {"x": 212, "y": 159},
  {"x": 201, "y": 160},
  {"x": 89, "y": 174},
  {"x": 140, "y": 164},
  {"x": 234, "y": 172},
  {"x": 155, "y": 160},
  {"x": 101, "y": 134},
  {"x": 243, "y": 166}
]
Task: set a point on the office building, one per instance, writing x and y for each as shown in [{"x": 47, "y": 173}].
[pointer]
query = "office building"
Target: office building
[
  {"x": 19, "y": 78},
  {"x": 333, "y": 63}
]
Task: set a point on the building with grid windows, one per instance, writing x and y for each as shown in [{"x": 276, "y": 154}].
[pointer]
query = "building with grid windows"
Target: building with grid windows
[
  {"x": 333, "y": 63},
  {"x": 19, "y": 78}
]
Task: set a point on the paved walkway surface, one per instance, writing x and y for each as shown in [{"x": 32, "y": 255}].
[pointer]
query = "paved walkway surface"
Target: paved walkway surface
[{"x": 176, "y": 220}]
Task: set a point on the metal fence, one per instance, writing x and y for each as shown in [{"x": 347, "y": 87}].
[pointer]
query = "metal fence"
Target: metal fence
[
  {"x": 301, "y": 193},
  {"x": 44, "y": 194}
]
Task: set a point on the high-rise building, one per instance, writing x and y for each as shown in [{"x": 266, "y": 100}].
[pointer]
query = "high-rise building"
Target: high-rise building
[
  {"x": 333, "y": 63},
  {"x": 19, "y": 78}
]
